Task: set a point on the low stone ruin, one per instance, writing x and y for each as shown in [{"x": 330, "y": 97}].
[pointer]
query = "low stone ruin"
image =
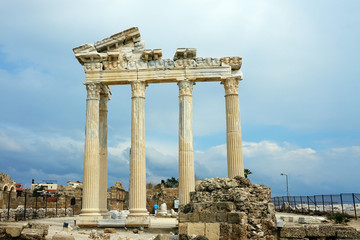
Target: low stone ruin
[
  {"x": 24, "y": 231},
  {"x": 18, "y": 213},
  {"x": 223, "y": 208}
]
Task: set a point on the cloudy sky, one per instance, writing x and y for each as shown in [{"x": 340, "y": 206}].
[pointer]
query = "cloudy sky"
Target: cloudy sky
[{"x": 299, "y": 100}]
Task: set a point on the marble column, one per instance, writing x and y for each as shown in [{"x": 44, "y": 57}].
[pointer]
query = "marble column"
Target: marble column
[
  {"x": 91, "y": 180},
  {"x": 137, "y": 188},
  {"x": 233, "y": 129},
  {"x": 103, "y": 130},
  {"x": 186, "y": 153}
]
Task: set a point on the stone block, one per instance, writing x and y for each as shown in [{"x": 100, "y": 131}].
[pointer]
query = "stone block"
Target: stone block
[
  {"x": 182, "y": 228},
  {"x": 207, "y": 217},
  {"x": 194, "y": 217},
  {"x": 196, "y": 229},
  {"x": 221, "y": 217},
  {"x": 14, "y": 231},
  {"x": 235, "y": 218},
  {"x": 225, "y": 231},
  {"x": 36, "y": 225},
  {"x": 292, "y": 232},
  {"x": 63, "y": 236},
  {"x": 109, "y": 230},
  {"x": 225, "y": 206},
  {"x": 347, "y": 232},
  {"x": 32, "y": 233},
  {"x": 212, "y": 231},
  {"x": 183, "y": 217},
  {"x": 162, "y": 237},
  {"x": 239, "y": 232}
]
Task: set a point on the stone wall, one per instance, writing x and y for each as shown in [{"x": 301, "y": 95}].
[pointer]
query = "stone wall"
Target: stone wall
[
  {"x": 117, "y": 197},
  {"x": 223, "y": 208},
  {"x": 159, "y": 196}
]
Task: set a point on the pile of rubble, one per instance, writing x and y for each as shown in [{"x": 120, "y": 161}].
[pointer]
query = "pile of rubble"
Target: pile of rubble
[
  {"x": 223, "y": 208},
  {"x": 26, "y": 231}
]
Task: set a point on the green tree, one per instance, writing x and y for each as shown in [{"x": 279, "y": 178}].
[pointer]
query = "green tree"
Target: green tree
[
  {"x": 37, "y": 191},
  {"x": 170, "y": 182},
  {"x": 247, "y": 172}
]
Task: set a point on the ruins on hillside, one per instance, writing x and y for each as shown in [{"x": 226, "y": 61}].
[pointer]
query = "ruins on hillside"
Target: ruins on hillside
[{"x": 123, "y": 59}]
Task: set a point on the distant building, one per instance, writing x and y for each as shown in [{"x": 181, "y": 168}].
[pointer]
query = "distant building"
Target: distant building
[
  {"x": 49, "y": 187},
  {"x": 6, "y": 184},
  {"x": 74, "y": 184}
]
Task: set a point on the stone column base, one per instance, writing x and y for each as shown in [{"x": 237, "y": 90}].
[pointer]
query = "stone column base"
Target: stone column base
[
  {"x": 137, "y": 220},
  {"x": 90, "y": 220}
]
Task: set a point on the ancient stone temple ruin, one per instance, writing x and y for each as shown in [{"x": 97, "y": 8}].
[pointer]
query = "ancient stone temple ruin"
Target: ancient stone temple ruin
[{"x": 122, "y": 59}]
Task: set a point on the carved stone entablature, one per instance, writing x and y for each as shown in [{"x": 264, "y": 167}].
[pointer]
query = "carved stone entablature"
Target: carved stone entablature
[
  {"x": 118, "y": 39},
  {"x": 182, "y": 53},
  {"x": 207, "y": 62},
  {"x": 93, "y": 66},
  {"x": 185, "y": 63},
  {"x": 185, "y": 87},
  {"x": 138, "y": 88},
  {"x": 234, "y": 62},
  {"x": 231, "y": 86},
  {"x": 149, "y": 54},
  {"x": 122, "y": 58}
]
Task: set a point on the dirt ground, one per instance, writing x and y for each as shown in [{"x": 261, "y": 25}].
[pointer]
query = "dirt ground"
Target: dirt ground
[
  {"x": 355, "y": 224},
  {"x": 56, "y": 226}
]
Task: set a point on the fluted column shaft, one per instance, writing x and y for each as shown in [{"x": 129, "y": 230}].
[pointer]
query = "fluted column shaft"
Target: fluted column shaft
[
  {"x": 233, "y": 128},
  {"x": 103, "y": 130},
  {"x": 137, "y": 189},
  {"x": 186, "y": 152},
  {"x": 91, "y": 180}
]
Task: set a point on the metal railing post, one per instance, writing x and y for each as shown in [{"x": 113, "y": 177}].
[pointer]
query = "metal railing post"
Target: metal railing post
[
  {"x": 45, "y": 205},
  {"x": 322, "y": 196},
  {"x": 65, "y": 205},
  {"x": 342, "y": 205},
  {"x": 332, "y": 203},
  {"x": 8, "y": 216},
  {"x": 25, "y": 207},
  {"x": 353, "y": 195},
  {"x": 36, "y": 205},
  {"x": 56, "y": 206},
  {"x": 302, "y": 207},
  {"x": 308, "y": 203},
  {"x": 315, "y": 203}
]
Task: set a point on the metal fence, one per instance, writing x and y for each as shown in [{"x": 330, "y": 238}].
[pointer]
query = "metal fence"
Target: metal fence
[{"x": 345, "y": 203}]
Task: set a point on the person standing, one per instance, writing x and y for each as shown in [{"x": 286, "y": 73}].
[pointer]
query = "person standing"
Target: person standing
[{"x": 156, "y": 207}]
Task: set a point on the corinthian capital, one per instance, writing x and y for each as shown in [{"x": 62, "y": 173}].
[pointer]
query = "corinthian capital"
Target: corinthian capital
[
  {"x": 185, "y": 87},
  {"x": 231, "y": 86},
  {"x": 138, "y": 88},
  {"x": 93, "y": 90}
]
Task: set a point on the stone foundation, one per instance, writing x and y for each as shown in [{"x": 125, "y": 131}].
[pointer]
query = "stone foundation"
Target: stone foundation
[{"x": 223, "y": 208}]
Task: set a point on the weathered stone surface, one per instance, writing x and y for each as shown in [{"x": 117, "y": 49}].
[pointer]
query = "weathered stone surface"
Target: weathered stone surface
[
  {"x": 14, "y": 231},
  {"x": 42, "y": 226},
  {"x": 347, "y": 232},
  {"x": 63, "y": 236},
  {"x": 109, "y": 230},
  {"x": 182, "y": 228},
  {"x": 207, "y": 216},
  {"x": 162, "y": 237},
  {"x": 212, "y": 231},
  {"x": 293, "y": 232},
  {"x": 32, "y": 234},
  {"x": 242, "y": 209},
  {"x": 196, "y": 228}
]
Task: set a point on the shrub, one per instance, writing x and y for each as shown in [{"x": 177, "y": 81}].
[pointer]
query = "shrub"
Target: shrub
[{"x": 338, "y": 218}]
